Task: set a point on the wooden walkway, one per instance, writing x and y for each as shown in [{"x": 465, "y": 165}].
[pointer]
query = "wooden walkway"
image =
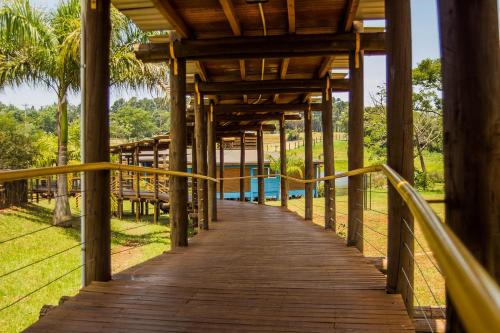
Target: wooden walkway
[{"x": 260, "y": 269}]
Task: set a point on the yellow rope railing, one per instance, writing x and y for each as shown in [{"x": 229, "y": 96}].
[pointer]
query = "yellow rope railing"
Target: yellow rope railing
[{"x": 473, "y": 291}]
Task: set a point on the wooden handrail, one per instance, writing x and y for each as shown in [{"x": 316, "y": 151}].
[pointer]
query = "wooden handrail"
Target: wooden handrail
[{"x": 473, "y": 291}]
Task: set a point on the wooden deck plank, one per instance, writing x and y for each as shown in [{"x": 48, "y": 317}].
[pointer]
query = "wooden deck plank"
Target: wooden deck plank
[{"x": 261, "y": 269}]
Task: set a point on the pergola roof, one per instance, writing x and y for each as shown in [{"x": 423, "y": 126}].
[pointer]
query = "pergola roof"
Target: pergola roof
[{"x": 226, "y": 21}]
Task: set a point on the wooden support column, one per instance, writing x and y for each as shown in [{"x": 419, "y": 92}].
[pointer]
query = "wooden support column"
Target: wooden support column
[
  {"x": 120, "y": 186},
  {"x": 200, "y": 124},
  {"x": 96, "y": 137},
  {"x": 138, "y": 209},
  {"x": 221, "y": 168},
  {"x": 260, "y": 167},
  {"x": 328, "y": 158},
  {"x": 212, "y": 165},
  {"x": 471, "y": 119},
  {"x": 194, "y": 181},
  {"x": 355, "y": 151},
  {"x": 242, "y": 167},
  {"x": 284, "y": 182},
  {"x": 178, "y": 185},
  {"x": 399, "y": 147},
  {"x": 156, "y": 212},
  {"x": 309, "y": 163}
]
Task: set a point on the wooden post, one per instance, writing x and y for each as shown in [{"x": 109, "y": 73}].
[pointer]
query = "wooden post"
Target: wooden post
[
  {"x": 201, "y": 158},
  {"x": 355, "y": 151},
  {"x": 194, "y": 181},
  {"x": 120, "y": 186},
  {"x": 212, "y": 165},
  {"x": 471, "y": 119},
  {"x": 327, "y": 120},
  {"x": 242, "y": 166},
  {"x": 309, "y": 163},
  {"x": 178, "y": 162},
  {"x": 221, "y": 168},
  {"x": 260, "y": 167},
  {"x": 399, "y": 147},
  {"x": 96, "y": 137},
  {"x": 284, "y": 182},
  {"x": 156, "y": 212},
  {"x": 138, "y": 210}
]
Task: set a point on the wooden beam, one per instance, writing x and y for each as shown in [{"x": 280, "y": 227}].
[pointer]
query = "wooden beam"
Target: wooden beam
[
  {"x": 260, "y": 168},
  {"x": 355, "y": 152},
  {"x": 242, "y": 167},
  {"x": 284, "y": 182},
  {"x": 243, "y": 69},
  {"x": 201, "y": 158},
  {"x": 350, "y": 14},
  {"x": 290, "y": 4},
  {"x": 259, "y": 108},
  {"x": 172, "y": 16},
  {"x": 325, "y": 66},
  {"x": 202, "y": 72},
  {"x": 399, "y": 148},
  {"x": 309, "y": 165},
  {"x": 229, "y": 11},
  {"x": 250, "y": 47},
  {"x": 256, "y": 117},
  {"x": 97, "y": 213},
  {"x": 327, "y": 122},
  {"x": 241, "y": 128},
  {"x": 194, "y": 182},
  {"x": 471, "y": 104},
  {"x": 177, "y": 156},
  {"x": 267, "y": 86},
  {"x": 212, "y": 190}
]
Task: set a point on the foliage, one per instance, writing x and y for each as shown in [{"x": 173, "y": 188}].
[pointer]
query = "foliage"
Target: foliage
[
  {"x": 423, "y": 181},
  {"x": 157, "y": 108},
  {"x": 17, "y": 148},
  {"x": 294, "y": 165},
  {"x": 132, "y": 123},
  {"x": 293, "y": 135}
]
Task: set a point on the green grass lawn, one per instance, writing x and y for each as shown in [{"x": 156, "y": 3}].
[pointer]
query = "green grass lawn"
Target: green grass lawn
[
  {"x": 132, "y": 243},
  {"x": 375, "y": 238}
]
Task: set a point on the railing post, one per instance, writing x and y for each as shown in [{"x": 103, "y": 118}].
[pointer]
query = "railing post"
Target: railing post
[
  {"x": 309, "y": 163},
  {"x": 201, "y": 158},
  {"x": 284, "y": 182},
  {"x": 212, "y": 172},
  {"x": 399, "y": 147},
  {"x": 328, "y": 157},
  {"x": 97, "y": 228},
  {"x": 260, "y": 167},
  {"x": 355, "y": 151},
  {"x": 242, "y": 166},
  {"x": 138, "y": 210},
  {"x": 178, "y": 162},
  {"x": 471, "y": 119}
]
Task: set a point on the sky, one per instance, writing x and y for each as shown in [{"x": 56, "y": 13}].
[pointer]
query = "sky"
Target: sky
[{"x": 425, "y": 44}]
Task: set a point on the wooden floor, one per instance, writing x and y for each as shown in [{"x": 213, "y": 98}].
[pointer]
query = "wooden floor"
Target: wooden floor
[{"x": 260, "y": 269}]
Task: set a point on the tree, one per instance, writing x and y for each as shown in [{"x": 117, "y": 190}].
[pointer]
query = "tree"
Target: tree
[
  {"x": 132, "y": 124},
  {"x": 427, "y": 108},
  {"x": 17, "y": 148},
  {"x": 40, "y": 48}
]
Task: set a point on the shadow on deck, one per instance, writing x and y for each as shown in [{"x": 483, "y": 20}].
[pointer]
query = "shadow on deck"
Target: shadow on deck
[{"x": 260, "y": 269}]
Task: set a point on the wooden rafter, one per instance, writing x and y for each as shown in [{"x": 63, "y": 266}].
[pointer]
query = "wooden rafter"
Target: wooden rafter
[
  {"x": 170, "y": 14},
  {"x": 290, "y": 4},
  {"x": 350, "y": 14},
  {"x": 229, "y": 11},
  {"x": 259, "y": 108}
]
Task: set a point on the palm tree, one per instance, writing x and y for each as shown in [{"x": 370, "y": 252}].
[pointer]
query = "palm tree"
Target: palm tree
[{"x": 39, "y": 48}]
